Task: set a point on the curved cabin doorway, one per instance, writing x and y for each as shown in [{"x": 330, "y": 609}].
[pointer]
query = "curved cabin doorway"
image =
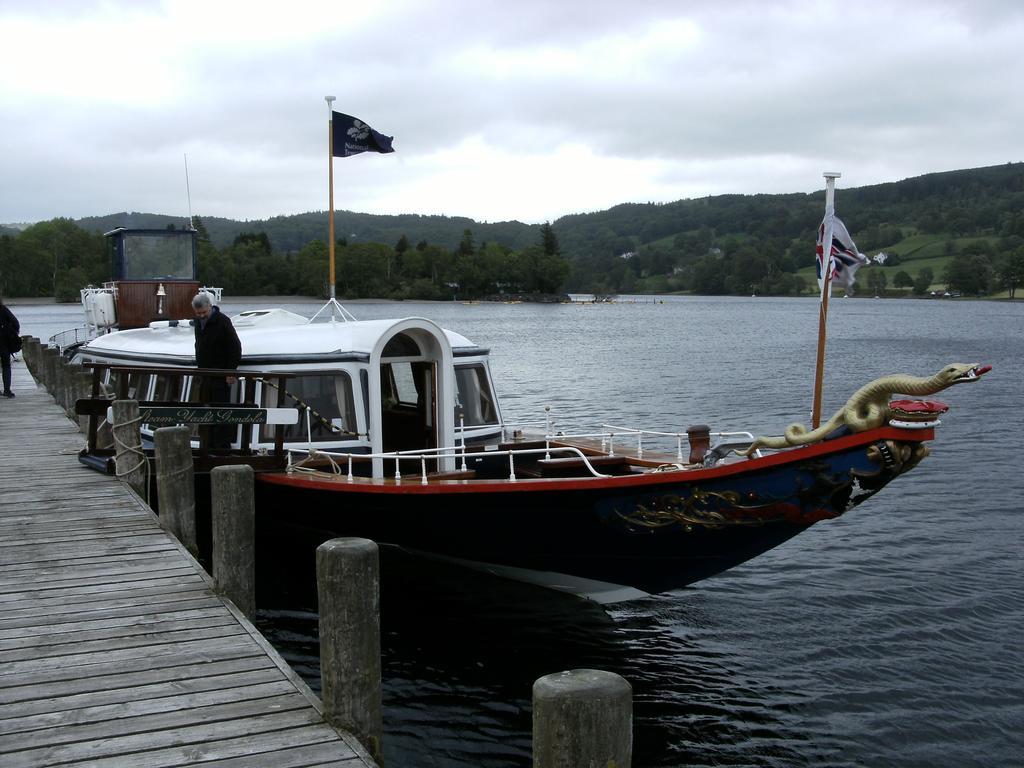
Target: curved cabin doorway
[
  {"x": 408, "y": 396},
  {"x": 411, "y": 394}
]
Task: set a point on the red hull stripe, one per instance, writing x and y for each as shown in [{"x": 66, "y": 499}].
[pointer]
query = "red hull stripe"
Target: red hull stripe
[{"x": 411, "y": 484}]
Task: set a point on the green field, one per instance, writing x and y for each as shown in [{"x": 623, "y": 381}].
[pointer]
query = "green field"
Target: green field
[{"x": 916, "y": 252}]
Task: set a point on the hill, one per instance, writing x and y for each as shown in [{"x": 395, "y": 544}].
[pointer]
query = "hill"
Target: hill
[
  {"x": 642, "y": 246},
  {"x": 962, "y": 230},
  {"x": 289, "y": 234}
]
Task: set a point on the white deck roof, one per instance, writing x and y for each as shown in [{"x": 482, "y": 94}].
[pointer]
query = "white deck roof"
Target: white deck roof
[{"x": 263, "y": 333}]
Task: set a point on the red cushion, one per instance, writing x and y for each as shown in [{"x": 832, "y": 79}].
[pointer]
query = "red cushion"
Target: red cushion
[{"x": 917, "y": 408}]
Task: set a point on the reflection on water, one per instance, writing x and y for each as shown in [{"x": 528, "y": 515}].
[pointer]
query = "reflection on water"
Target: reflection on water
[{"x": 890, "y": 636}]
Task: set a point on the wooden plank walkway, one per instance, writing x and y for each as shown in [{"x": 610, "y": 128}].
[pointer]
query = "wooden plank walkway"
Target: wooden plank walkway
[{"x": 114, "y": 650}]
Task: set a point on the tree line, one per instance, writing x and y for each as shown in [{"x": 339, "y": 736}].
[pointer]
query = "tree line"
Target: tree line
[
  {"x": 58, "y": 258},
  {"x": 969, "y": 224}
]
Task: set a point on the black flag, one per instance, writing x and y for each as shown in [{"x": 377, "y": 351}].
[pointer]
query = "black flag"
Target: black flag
[{"x": 352, "y": 136}]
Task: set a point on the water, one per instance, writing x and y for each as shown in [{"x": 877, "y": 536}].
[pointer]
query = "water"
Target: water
[{"x": 890, "y": 636}]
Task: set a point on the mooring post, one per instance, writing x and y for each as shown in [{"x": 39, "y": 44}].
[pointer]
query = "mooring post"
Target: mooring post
[
  {"x": 48, "y": 369},
  {"x": 234, "y": 535},
  {"x": 37, "y": 349},
  {"x": 28, "y": 352},
  {"x": 175, "y": 484},
  {"x": 71, "y": 371},
  {"x": 60, "y": 380},
  {"x": 583, "y": 717},
  {"x": 129, "y": 460},
  {"x": 348, "y": 592}
]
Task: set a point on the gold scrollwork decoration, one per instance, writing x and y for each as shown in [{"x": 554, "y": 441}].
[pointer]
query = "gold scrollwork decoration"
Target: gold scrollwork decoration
[{"x": 691, "y": 511}]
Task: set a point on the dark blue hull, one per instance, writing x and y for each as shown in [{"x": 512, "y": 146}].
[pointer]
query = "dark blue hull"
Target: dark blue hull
[{"x": 654, "y": 531}]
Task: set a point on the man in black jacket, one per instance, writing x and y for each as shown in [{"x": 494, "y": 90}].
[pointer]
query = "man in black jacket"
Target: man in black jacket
[{"x": 217, "y": 346}]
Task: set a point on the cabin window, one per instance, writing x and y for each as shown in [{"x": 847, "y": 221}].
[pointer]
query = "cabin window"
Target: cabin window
[
  {"x": 152, "y": 255},
  {"x": 117, "y": 389},
  {"x": 403, "y": 384},
  {"x": 195, "y": 391},
  {"x": 108, "y": 384},
  {"x": 129, "y": 386},
  {"x": 401, "y": 345},
  {"x": 328, "y": 401},
  {"x": 473, "y": 396},
  {"x": 138, "y": 387},
  {"x": 167, "y": 389}
]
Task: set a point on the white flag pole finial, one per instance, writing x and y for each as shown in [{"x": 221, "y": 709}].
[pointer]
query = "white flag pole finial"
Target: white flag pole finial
[{"x": 830, "y": 190}]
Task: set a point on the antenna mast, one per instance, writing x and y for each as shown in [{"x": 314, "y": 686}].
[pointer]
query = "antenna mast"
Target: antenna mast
[{"x": 188, "y": 194}]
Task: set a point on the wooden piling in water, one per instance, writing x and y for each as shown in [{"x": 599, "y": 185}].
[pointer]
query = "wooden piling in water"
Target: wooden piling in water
[
  {"x": 48, "y": 367},
  {"x": 583, "y": 717},
  {"x": 56, "y": 368},
  {"x": 131, "y": 463},
  {"x": 348, "y": 589},
  {"x": 233, "y": 520},
  {"x": 29, "y": 353},
  {"x": 60, "y": 382},
  {"x": 175, "y": 484}
]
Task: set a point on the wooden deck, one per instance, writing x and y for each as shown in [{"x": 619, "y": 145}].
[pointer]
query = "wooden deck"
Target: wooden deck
[{"x": 114, "y": 651}]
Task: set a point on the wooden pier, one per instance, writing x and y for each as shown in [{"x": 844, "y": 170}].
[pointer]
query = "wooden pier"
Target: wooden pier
[{"x": 114, "y": 649}]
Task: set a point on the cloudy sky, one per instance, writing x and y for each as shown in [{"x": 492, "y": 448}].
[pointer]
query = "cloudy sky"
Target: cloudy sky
[{"x": 504, "y": 109}]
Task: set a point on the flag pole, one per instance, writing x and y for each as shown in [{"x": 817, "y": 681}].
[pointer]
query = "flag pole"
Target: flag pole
[
  {"x": 330, "y": 185},
  {"x": 826, "y": 290}
]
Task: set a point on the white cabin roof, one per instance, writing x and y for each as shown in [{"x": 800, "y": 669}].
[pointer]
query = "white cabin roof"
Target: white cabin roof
[{"x": 273, "y": 333}]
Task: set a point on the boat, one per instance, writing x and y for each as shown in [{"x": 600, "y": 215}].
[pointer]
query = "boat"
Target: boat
[{"x": 399, "y": 437}]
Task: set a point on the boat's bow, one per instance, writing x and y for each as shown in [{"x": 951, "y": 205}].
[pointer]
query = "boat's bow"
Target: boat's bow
[{"x": 870, "y": 407}]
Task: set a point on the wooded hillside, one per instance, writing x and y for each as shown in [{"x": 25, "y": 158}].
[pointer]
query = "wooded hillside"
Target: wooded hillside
[{"x": 961, "y": 231}]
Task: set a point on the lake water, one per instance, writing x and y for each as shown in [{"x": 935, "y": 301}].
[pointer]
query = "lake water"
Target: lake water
[{"x": 890, "y": 636}]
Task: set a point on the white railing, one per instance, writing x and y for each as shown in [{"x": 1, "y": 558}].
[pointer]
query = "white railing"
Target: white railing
[
  {"x": 646, "y": 439},
  {"x": 70, "y": 337},
  {"x": 459, "y": 452},
  {"x": 216, "y": 293},
  {"x": 678, "y": 436},
  {"x": 609, "y": 432},
  {"x": 436, "y": 454}
]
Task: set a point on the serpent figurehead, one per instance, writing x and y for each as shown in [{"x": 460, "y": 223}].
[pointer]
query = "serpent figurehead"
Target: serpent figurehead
[{"x": 869, "y": 406}]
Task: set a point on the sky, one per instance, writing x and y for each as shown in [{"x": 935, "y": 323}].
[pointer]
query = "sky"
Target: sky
[{"x": 500, "y": 110}]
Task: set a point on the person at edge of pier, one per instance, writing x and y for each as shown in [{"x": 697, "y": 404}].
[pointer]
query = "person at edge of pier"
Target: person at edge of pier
[
  {"x": 217, "y": 346},
  {"x": 10, "y": 342}
]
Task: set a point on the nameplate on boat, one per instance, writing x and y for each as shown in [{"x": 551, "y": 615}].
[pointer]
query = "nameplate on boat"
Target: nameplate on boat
[{"x": 166, "y": 416}]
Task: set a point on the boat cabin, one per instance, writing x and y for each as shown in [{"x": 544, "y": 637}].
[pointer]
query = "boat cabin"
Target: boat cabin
[
  {"x": 365, "y": 387},
  {"x": 154, "y": 278}
]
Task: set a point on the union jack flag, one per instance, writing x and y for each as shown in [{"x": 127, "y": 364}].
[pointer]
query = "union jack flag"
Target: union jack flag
[{"x": 844, "y": 258}]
